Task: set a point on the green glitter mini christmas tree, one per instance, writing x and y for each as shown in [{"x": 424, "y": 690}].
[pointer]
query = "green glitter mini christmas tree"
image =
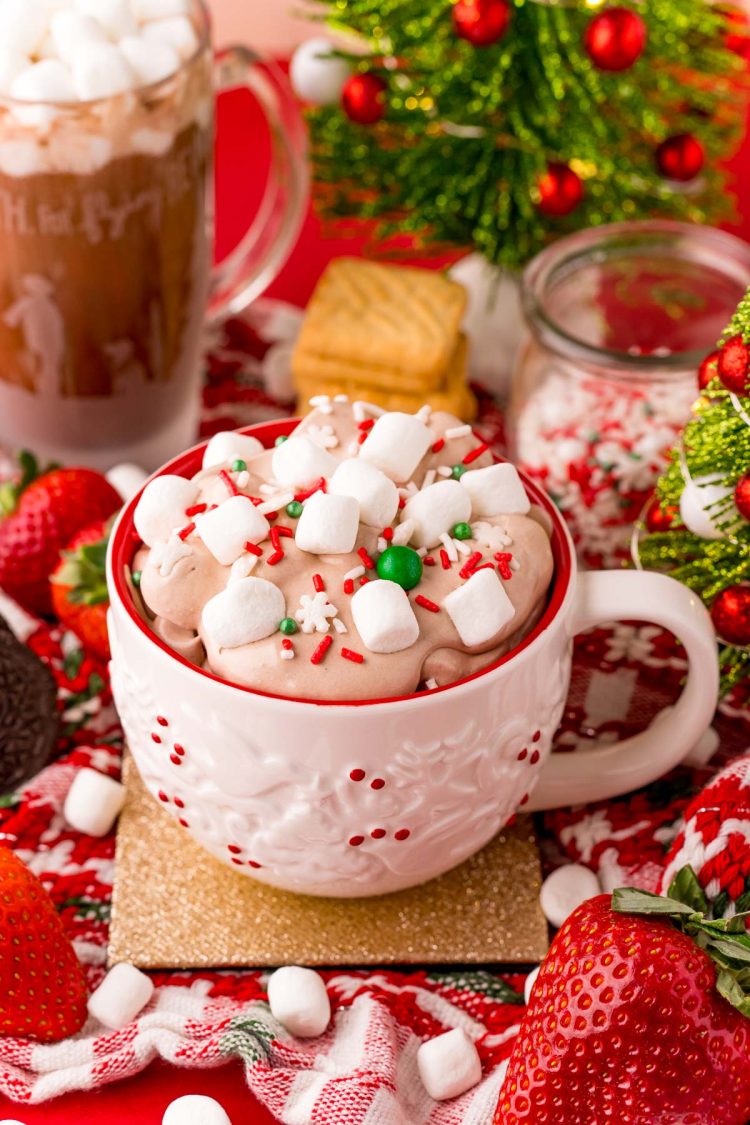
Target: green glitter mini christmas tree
[
  {"x": 498, "y": 124},
  {"x": 698, "y": 526}
]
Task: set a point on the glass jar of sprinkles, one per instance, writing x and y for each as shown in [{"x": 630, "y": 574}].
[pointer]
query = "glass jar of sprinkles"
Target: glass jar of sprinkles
[{"x": 619, "y": 318}]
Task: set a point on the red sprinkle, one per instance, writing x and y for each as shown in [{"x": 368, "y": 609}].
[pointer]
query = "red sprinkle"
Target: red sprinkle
[
  {"x": 362, "y": 438},
  {"x": 474, "y": 453},
  {"x": 271, "y": 516},
  {"x": 470, "y": 565},
  {"x": 196, "y": 509},
  {"x": 231, "y": 486},
  {"x": 253, "y": 548},
  {"x": 286, "y": 643},
  {"x": 349, "y": 586},
  {"x": 284, "y": 532},
  {"x": 401, "y": 503},
  {"x": 256, "y": 500},
  {"x": 355, "y": 657},
  {"x": 428, "y": 560},
  {"x": 426, "y": 603},
  {"x": 438, "y": 445},
  {"x": 484, "y": 566},
  {"x": 318, "y": 583},
  {"x": 188, "y": 530},
  {"x": 364, "y": 580},
  {"x": 273, "y": 535},
  {"x": 319, "y": 484},
  {"x": 503, "y": 564},
  {"x": 321, "y": 650},
  {"x": 365, "y": 558},
  {"x": 276, "y": 557},
  {"x": 444, "y": 559},
  {"x": 367, "y": 424},
  {"x": 387, "y": 534}
]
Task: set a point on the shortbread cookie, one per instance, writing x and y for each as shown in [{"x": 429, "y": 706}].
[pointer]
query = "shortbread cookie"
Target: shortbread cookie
[{"x": 393, "y": 326}]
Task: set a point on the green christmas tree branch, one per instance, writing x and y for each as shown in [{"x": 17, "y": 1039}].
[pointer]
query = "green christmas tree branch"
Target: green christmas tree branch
[{"x": 532, "y": 98}]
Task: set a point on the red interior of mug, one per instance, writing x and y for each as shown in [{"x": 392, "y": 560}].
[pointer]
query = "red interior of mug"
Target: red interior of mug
[{"x": 126, "y": 542}]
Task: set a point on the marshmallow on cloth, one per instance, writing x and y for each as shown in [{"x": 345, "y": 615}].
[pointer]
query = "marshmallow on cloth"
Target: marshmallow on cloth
[
  {"x": 161, "y": 507},
  {"x": 565, "y": 889},
  {"x": 396, "y": 444},
  {"x": 328, "y": 524},
  {"x": 480, "y": 608},
  {"x": 94, "y": 802},
  {"x": 194, "y": 1109},
  {"x": 228, "y": 446},
  {"x": 123, "y": 993},
  {"x": 127, "y": 478},
  {"x": 496, "y": 490},
  {"x": 299, "y": 462},
  {"x": 384, "y": 617},
  {"x": 435, "y": 510},
  {"x": 227, "y": 529},
  {"x": 449, "y": 1065},
  {"x": 247, "y": 610},
  {"x": 299, "y": 1001},
  {"x": 375, "y": 493}
]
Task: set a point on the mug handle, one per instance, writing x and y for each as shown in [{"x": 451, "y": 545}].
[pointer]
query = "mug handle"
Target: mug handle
[
  {"x": 252, "y": 265},
  {"x": 607, "y": 771}
]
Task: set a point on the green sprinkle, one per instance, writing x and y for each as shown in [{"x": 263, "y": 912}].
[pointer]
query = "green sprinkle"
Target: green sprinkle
[
  {"x": 458, "y": 471},
  {"x": 239, "y": 466},
  {"x": 461, "y": 531},
  {"x": 288, "y": 626},
  {"x": 136, "y": 576},
  {"x": 294, "y": 509},
  {"x": 280, "y": 439}
]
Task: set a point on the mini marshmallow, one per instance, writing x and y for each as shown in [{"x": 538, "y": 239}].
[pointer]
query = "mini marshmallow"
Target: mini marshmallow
[
  {"x": 94, "y": 802},
  {"x": 328, "y": 524},
  {"x": 161, "y": 507},
  {"x": 299, "y": 462},
  {"x": 11, "y": 65},
  {"x": 150, "y": 61},
  {"x": 247, "y": 610},
  {"x": 176, "y": 31},
  {"x": 375, "y": 493},
  {"x": 45, "y": 81},
  {"x": 436, "y": 510},
  {"x": 114, "y": 16},
  {"x": 496, "y": 490},
  {"x": 194, "y": 1109},
  {"x": 565, "y": 889},
  {"x": 528, "y": 984},
  {"x": 145, "y": 10},
  {"x": 449, "y": 1065},
  {"x": 480, "y": 608},
  {"x": 127, "y": 479},
  {"x": 384, "y": 617},
  {"x": 227, "y": 529},
  {"x": 23, "y": 24},
  {"x": 124, "y": 992},
  {"x": 70, "y": 31},
  {"x": 396, "y": 444},
  {"x": 228, "y": 446},
  {"x": 299, "y": 1001},
  {"x": 100, "y": 71}
]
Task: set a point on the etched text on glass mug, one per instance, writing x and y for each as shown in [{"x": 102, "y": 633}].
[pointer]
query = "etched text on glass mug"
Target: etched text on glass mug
[{"x": 105, "y": 256}]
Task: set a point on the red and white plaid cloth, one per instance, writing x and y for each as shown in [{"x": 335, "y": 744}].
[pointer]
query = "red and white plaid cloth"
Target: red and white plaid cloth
[{"x": 363, "y": 1070}]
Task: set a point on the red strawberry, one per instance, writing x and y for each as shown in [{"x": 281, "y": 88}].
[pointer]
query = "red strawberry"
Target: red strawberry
[
  {"x": 42, "y": 987},
  {"x": 631, "y": 1020},
  {"x": 79, "y": 587},
  {"x": 41, "y": 514}
]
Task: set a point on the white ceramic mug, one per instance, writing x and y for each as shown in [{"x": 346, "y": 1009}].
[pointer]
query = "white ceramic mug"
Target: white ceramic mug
[{"x": 353, "y": 799}]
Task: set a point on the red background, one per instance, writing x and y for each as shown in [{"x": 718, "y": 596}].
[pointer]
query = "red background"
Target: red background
[{"x": 242, "y": 150}]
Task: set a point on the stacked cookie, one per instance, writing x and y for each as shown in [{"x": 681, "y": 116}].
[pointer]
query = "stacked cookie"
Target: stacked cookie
[{"x": 386, "y": 334}]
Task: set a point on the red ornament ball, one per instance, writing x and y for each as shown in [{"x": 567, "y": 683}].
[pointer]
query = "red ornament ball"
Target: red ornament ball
[
  {"x": 742, "y": 495},
  {"x": 362, "y": 98},
  {"x": 481, "y": 22},
  {"x": 733, "y": 365},
  {"x": 730, "y": 614},
  {"x": 707, "y": 370},
  {"x": 560, "y": 190},
  {"x": 680, "y": 157},
  {"x": 615, "y": 39},
  {"x": 660, "y": 518}
]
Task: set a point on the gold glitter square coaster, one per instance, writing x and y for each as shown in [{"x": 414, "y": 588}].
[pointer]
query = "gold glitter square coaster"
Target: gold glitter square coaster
[{"x": 176, "y": 907}]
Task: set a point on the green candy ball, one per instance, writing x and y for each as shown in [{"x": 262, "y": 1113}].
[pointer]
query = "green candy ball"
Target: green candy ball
[
  {"x": 239, "y": 466},
  {"x": 288, "y": 626},
  {"x": 280, "y": 439},
  {"x": 401, "y": 565},
  {"x": 294, "y": 509},
  {"x": 458, "y": 471},
  {"x": 136, "y": 576},
  {"x": 461, "y": 531}
]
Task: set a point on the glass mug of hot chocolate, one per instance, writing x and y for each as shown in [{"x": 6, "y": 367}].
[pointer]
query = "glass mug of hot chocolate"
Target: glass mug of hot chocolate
[
  {"x": 106, "y": 140},
  {"x": 341, "y": 649}
]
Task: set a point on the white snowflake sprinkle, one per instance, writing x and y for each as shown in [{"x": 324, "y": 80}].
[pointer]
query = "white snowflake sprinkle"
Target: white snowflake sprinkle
[
  {"x": 166, "y": 555},
  {"x": 323, "y": 436},
  {"x": 339, "y": 625},
  {"x": 314, "y": 613},
  {"x": 403, "y": 533},
  {"x": 489, "y": 535}
]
